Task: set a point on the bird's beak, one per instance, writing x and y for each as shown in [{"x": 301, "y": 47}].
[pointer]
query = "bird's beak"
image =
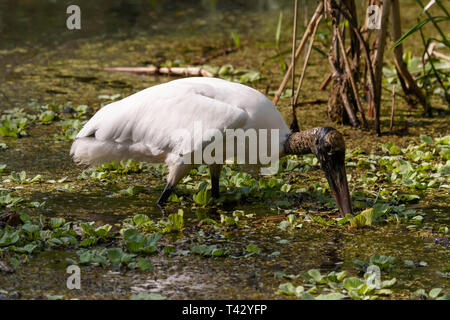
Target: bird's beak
[{"x": 337, "y": 179}]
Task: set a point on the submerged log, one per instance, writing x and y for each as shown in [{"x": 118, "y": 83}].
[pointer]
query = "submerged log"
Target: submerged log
[{"x": 177, "y": 71}]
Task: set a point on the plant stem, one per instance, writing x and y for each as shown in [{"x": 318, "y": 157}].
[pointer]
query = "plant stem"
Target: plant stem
[
  {"x": 294, "y": 125},
  {"x": 297, "y": 53}
]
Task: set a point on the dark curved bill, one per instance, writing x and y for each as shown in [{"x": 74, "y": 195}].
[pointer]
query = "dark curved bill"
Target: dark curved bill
[{"x": 337, "y": 179}]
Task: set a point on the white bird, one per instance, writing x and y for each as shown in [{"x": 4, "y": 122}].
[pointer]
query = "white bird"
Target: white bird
[{"x": 146, "y": 127}]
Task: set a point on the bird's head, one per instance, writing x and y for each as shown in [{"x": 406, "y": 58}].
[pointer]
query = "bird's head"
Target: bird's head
[{"x": 329, "y": 147}]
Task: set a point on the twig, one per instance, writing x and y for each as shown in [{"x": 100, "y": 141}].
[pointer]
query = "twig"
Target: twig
[
  {"x": 431, "y": 52},
  {"x": 348, "y": 108},
  {"x": 326, "y": 82},
  {"x": 366, "y": 50},
  {"x": 179, "y": 71},
  {"x": 440, "y": 56},
  {"x": 305, "y": 63},
  {"x": 297, "y": 53},
  {"x": 341, "y": 81},
  {"x": 391, "y": 124},
  {"x": 378, "y": 63},
  {"x": 294, "y": 126},
  {"x": 352, "y": 81},
  {"x": 408, "y": 83},
  {"x": 310, "y": 102}
]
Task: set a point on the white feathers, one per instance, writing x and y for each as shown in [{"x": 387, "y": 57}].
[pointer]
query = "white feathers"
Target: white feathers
[{"x": 146, "y": 126}]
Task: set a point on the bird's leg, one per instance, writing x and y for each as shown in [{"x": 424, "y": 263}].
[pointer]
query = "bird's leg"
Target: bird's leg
[
  {"x": 165, "y": 194},
  {"x": 214, "y": 172},
  {"x": 176, "y": 173}
]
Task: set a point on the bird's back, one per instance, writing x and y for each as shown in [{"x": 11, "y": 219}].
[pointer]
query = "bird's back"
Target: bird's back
[{"x": 146, "y": 125}]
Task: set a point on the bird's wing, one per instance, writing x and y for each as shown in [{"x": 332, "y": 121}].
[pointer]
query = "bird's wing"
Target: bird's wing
[{"x": 163, "y": 119}]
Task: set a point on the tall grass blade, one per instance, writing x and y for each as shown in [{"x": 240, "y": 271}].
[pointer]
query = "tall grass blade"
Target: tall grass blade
[{"x": 278, "y": 33}]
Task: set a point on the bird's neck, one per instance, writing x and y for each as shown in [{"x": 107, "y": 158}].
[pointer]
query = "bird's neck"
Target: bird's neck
[{"x": 301, "y": 142}]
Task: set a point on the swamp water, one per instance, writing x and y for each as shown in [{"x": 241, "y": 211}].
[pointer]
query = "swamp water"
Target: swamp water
[{"x": 271, "y": 233}]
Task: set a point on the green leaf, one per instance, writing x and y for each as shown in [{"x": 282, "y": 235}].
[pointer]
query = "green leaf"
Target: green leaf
[
  {"x": 87, "y": 228},
  {"x": 286, "y": 289},
  {"x": 383, "y": 262},
  {"x": 278, "y": 32},
  {"x": 28, "y": 248},
  {"x": 140, "y": 219},
  {"x": 203, "y": 197},
  {"x": 88, "y": 242},
  {"x": 409, "y": 263},
  {"x": 434, "y": 293},
  {"x": 418, "y": 26},
  {"x": 103, "y": 231},
  {"x": 307, "y": 296},
  {"x": 56, "y": 222},
  {"x": 392, "y": 149},
  {"x": 331, "y": 296},
  {"x": 353, "y": 284},
  {"x": 176, "y": 222},
  {"x": 445, "y": 170},
  {"x": 220, "y": 252},
  {"x": 384, "y": 292},
  {"x": 200, "y": 249},
  {"x": 388, "y": 283},
  {"x": 253, "y": 249},
  {"x": 236, "y": 39},
  {"x": 144, "y": 264},
  {"x": 316, "y": 275},
  {"x": 284, "y": 225},
  {"x": 426, "y": 139},
  {"x": 30, "y": 228},
  {"x": 25, "y": 218},
  {"x": 54, "y": 297},
  {"x": 115, "y": 255}
]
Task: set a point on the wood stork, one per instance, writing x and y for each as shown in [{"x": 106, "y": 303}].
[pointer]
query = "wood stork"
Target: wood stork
[{"x": 142, "y": 127}]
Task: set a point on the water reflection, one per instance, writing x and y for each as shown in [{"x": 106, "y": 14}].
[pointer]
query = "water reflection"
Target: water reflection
[{"x": 43, "y": 22}]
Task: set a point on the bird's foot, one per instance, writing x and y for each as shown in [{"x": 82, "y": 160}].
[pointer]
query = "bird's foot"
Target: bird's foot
[{"x": 162, "y": 208}]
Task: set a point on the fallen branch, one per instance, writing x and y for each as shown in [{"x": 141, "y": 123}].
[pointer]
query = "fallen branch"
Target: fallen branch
[
  {"x": 178, "y": 71},
  {"x": 310, "y": 102}
]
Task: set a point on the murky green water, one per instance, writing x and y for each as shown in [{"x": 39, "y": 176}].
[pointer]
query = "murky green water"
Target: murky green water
[{"x": 42, "y": 61}]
